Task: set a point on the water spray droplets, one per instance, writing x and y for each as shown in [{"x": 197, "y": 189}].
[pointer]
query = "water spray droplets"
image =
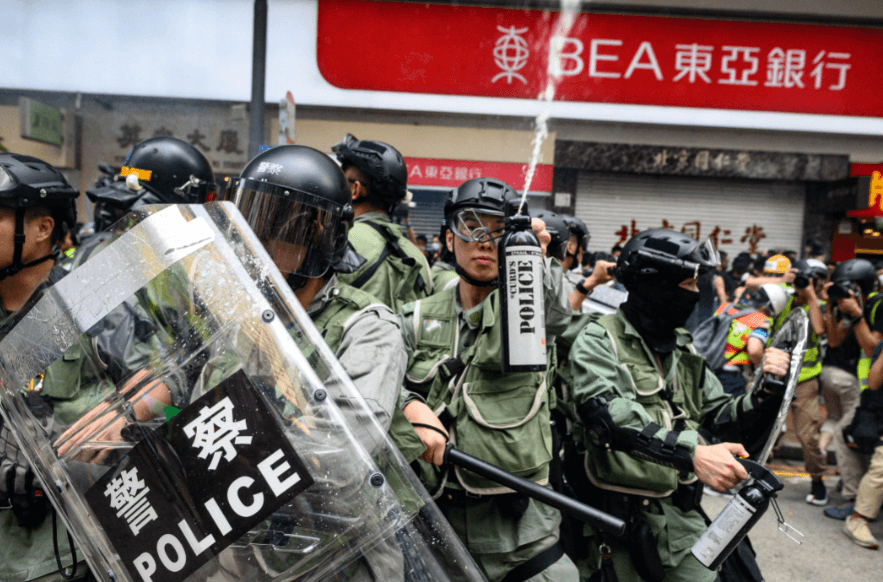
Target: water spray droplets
[{"x": 563, "y": 26}]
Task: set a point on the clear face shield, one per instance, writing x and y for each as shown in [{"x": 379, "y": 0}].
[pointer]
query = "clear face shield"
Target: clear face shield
[
  {"x": 302, "y": 232},
  {"x": 477, "y": 225}
]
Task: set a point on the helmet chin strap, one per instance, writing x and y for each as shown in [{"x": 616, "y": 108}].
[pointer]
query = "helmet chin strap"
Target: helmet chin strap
[
  {"x": 19, "y": 240},
  {"x": 471, "y": 280}
]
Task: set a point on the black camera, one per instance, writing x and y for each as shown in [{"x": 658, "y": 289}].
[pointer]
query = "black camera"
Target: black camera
[
  {"x": 841, "y": 290},
  {"x": 802, "y": 280}
]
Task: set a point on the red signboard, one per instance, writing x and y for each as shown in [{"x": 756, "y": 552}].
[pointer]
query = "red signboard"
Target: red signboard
[
  {"x": 608, "y": 58},
  {"x": 452, "y": 173},
  {"x": 856, "y": 170}
]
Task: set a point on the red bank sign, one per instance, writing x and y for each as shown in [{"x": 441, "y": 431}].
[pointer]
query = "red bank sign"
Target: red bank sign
[
  {"x": 452, "y": 173},
  {"x": 607, "y": 58}
]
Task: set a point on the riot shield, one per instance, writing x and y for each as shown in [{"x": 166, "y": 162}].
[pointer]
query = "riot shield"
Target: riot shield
[
  {"x": 232, "y": 445},
  {"x": 791, "y": 337}
]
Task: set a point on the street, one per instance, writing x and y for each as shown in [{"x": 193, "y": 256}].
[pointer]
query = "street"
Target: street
[{"x": 826, "y": 554}]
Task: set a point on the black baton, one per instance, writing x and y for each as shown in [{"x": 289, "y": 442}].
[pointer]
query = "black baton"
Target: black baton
[{"x": 572, "y": 507}]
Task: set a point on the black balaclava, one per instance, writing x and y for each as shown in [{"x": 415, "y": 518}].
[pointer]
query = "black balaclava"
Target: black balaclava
[{"x": 656, "y": 307}]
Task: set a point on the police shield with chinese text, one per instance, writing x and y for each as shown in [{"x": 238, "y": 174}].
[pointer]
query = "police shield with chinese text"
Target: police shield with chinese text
[{"x": 228, "y": 454}]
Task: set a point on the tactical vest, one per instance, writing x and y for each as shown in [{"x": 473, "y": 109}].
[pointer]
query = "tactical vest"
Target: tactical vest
[
  {"x": 395, "y": 271},
  {"x": 812, "y": 363},
  {"x": 864, "y": 360},
  {"x": 617, "y": 470},
  {"x": 501, "y": 419},
  {"x": 346, "y": 303}
]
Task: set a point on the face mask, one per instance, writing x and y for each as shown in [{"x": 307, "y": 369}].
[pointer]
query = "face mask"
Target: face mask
[{"x": 657, "y": 310}]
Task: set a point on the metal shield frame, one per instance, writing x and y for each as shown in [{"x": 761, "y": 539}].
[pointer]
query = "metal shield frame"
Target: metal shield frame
[{"x": 793, "y": 336}]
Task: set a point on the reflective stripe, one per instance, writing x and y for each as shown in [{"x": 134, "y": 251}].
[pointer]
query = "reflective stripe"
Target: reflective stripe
[{"x": 864, "y": 362}]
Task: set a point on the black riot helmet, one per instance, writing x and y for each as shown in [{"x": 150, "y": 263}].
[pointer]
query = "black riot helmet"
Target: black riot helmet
[
  {"x": 381, "y": 162},
  {"x": 557, "y": 228},
  {"x": 578, "y": 227},
  {"x": 484, "y": 194},
  {"x": 114, "y": 197},
  {"x": 858, "y": 271},
  {"x": 26, "y": 183},
  {"x": 475, "y": 212},
  {"x": 297, "y": 201},
  {"x": 663, "y": 255},
  {"x": 171, "y": 169}
]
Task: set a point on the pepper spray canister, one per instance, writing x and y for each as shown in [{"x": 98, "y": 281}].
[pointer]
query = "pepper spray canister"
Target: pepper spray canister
[
  {"x": 522, "y": 304},
  {"x": 732, "y": 524}
]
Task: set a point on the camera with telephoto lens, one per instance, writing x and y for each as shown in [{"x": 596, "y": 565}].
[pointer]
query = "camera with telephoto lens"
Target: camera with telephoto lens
[
  {"x": 802, "y": 280},
  {"x": 841, "y": 290}
]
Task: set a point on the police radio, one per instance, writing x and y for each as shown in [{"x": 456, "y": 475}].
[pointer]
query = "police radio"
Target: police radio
[
  {"x": 732, "y": 524},
  {"x": 522, "y": 305}
]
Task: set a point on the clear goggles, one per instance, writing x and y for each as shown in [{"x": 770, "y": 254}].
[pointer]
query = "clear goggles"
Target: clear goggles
[
  {"x": 695, "y": 262},
  {"x": 477, "y": 225},
  {"x": 303, "y": 233},
  {"x": 705, "y": 254}
]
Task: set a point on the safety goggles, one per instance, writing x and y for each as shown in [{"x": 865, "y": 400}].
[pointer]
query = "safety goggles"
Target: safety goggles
[
  {"x": 472, "y": 225},
  {"x": 695, "y": 262}
]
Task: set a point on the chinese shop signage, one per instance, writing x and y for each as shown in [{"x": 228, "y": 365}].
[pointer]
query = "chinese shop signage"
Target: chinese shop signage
[
  {"x": 452, "y": 173},
  {"x": 198, "y": 483},
  {"x": 606, "y": 58},
  {"x": 679, "y": 161}
]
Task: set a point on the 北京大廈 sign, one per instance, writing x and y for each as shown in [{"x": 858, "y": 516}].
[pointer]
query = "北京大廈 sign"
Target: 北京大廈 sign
[{"x": 608, "y": 58}]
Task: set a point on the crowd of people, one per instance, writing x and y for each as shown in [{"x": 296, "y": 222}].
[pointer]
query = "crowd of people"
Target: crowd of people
[{"x": 627, "y": 415}]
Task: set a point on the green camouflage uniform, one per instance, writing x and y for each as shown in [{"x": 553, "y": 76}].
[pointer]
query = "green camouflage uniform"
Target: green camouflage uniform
[
  {"x": 393, "y": 279},
  {"x": 610, "y": 358},
  {"x": 501, "y": 419},
  {"x": 442, "y": 274}
]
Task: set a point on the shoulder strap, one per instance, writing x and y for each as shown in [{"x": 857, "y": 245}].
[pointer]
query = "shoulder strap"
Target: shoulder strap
[{"x": 392, "y": 247}]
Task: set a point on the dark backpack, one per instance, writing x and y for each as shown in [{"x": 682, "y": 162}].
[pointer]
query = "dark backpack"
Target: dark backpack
[
  {"x": 865, "y": 431},
  {"x": 710, "y": 337}
]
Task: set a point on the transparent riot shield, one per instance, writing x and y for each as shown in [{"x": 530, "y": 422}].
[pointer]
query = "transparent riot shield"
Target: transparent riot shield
[
  {"x": 188, "y": 421},
  {"x": 791, "y": 337}
]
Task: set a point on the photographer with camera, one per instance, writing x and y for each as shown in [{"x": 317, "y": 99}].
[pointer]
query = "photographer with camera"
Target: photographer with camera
[
  {"x": 809, "y": 279},
  {"x": 855, "y": 314}
]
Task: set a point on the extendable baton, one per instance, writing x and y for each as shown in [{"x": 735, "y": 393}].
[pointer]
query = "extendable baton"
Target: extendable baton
[{"x": 572, "y": 507}]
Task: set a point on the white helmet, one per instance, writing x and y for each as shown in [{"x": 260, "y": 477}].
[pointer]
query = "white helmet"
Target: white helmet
[{"x": 771, "y": 295}]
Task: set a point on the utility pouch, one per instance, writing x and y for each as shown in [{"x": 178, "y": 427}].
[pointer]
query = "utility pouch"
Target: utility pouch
[
  {"x": 643, "y": 551},
  {"x": 688, "y": 496},
  {"x": 513, "y": 505}
]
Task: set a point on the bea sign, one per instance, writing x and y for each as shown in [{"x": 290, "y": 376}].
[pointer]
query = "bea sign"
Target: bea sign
[{"x": 608, "y": 58}]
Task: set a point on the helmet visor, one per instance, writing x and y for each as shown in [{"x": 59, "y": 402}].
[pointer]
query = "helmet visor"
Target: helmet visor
[
  {"x": 473, "y": 225},
  {"x": 303, "y": 233}
]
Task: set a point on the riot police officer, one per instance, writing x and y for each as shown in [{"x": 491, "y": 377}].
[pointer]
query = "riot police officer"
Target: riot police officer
[
  {"x": 634, "y": 373},
  {"x": 159, "y": 170},
  {"x": 297, "y": 201},
  {"x": 454, "y": 339},
  {"x": 392, "y": 269},
  {"x": 37, "y": 207}
]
